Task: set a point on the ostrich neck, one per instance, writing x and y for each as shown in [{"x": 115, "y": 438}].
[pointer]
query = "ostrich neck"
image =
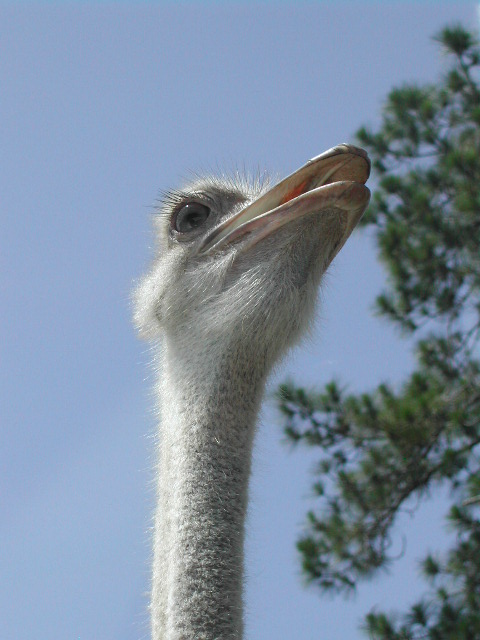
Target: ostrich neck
[{"x": 209, "y": 406}]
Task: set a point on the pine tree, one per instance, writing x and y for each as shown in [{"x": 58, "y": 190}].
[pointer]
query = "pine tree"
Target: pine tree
[{"x": 378, "y": 450}]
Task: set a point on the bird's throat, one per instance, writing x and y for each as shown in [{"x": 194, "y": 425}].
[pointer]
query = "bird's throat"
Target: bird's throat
[{"x": 208, "y": 416}]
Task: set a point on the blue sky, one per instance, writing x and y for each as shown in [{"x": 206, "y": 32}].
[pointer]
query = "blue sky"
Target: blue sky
[{"x": 101, "y": 106}]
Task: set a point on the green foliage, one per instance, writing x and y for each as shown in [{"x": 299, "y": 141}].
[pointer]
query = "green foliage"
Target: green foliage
[
  {"x": 425, "y": 210},
  {"x": 379, "y": 452},
  {"x": 451, "y": 611}
]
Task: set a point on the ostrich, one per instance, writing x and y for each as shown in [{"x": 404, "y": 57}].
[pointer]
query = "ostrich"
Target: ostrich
[{"x": 233, "y": 286}]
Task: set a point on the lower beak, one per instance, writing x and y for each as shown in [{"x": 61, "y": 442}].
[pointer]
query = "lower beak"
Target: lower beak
[{"x": 333, "y": 180}]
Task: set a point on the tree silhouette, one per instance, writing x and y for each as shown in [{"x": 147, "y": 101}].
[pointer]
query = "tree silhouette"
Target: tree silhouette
[{"x": 378, "y": 450}]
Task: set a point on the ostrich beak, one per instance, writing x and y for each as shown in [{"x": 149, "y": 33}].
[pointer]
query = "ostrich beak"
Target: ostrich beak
[{"x": 333, "y": 180}]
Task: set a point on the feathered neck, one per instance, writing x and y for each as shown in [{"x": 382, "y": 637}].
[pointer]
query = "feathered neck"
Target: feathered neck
[{"x": 209, "y": 401}]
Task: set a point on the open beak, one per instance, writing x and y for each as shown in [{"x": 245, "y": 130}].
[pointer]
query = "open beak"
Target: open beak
[{"x": 333, "y": 180}]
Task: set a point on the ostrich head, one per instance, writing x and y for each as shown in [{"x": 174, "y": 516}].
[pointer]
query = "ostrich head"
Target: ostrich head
[{"x": 240, "y": 262}]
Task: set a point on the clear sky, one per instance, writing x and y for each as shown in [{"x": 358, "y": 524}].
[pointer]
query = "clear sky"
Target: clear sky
[{"x": 101, "y": 106}]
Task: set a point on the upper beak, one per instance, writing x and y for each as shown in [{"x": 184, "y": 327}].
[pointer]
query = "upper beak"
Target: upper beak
[{"x": 333, "y": 180}]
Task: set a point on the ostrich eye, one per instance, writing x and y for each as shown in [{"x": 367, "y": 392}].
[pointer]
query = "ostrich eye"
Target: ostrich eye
[{"x": 190, "y": 217}]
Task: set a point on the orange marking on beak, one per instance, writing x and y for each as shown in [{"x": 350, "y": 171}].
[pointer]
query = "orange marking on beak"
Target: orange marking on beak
[{"x": 295, "y": 192}]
